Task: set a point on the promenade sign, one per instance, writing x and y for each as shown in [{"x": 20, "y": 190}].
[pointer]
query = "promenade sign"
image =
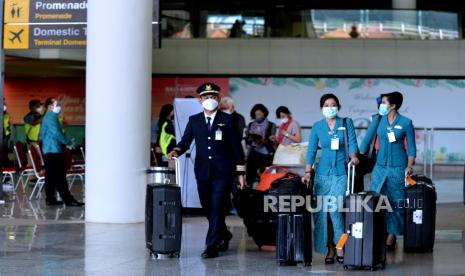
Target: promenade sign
[
  {"x": 42, "y": 24},
  {"x": 53, "y": 24}
]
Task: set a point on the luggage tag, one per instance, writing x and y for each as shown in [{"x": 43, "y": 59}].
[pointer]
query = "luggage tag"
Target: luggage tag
[
  {"x": 391, "y": 135},
  {"x": 357, "y": 230},
  {"x": 418, "y": 217},
  {"x": 218, "y": 135}
]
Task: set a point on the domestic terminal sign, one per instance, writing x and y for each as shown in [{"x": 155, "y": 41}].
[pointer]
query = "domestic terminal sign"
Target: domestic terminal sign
[
  {"x": 53, "y": 24},
  {"x": 42, "y": 24}
]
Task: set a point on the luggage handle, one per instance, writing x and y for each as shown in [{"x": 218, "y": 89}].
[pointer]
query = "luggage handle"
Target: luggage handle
[
  {"x": 350, "y": 178},
  {"x": 177, "y": 171}
]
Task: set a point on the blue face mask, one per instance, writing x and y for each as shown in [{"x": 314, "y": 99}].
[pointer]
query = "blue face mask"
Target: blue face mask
[
  {"x": 330, "y": 112},
  {"x": 383, "y": 109}
]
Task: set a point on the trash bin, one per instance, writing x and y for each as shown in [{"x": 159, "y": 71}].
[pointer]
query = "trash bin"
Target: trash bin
[{"x": 163, "y": 212}]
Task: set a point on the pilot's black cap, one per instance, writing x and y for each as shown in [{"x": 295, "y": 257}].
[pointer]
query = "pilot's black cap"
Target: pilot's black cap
[{"x": 208, "y": 88}]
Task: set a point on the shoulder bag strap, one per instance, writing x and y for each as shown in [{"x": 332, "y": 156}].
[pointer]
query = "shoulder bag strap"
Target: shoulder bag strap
[{"x": 346, "y": 140}]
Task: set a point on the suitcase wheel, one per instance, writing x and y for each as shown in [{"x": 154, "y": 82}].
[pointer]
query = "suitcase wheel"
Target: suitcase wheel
[
  {"x": 346, "y": 267},
  {"x": 176, "y": 255},
  {"x": 307, "y": 263},
  {"x": 281, "y": 263},
  {"x": 154, "y": 256},
  {"x": 372, "y": 268}
]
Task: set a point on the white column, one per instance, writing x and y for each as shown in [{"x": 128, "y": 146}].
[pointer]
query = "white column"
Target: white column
[
  {"x": 118, "y": 104},
  {"x": 404, "y": 4}
]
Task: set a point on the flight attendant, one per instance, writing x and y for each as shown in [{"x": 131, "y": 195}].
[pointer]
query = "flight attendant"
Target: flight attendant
[
  {"x": 218, "y": 160},
  {"x": 393, "y": 160},
  {"x": 331, "y": 172}
]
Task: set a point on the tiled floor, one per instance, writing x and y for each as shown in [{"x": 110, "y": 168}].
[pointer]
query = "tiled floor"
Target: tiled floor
[{"x": 39, "y": 240}]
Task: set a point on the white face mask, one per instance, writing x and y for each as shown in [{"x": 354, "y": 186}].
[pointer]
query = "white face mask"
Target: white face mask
[
  {"x": 39, "y": 109},
  {"x": 56, "y": 108},
  {"x": 210, "y": 104},
  {"x": 284, "y": 120},
  {"x": 227, "y": 111},
  {"x": 4, "y": 108},
  {"x": 330, "y": 112}
]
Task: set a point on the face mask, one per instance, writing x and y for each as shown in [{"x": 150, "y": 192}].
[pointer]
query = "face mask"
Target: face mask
[
  {"x": 284, "y": 120},
  {"x": 56, "y": 109},
  {"x": 330, "y": 112},
  {"x": 210, "y": 104},
  {"x": 39, "y": 109},
  {"x": 383, "y": 109},
  {"x": 227, "y": 111},
  {"x": 259, "y": 118},
  {"x": 4, "y": 108}
]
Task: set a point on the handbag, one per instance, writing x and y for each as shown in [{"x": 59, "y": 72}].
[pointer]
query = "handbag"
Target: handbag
[
  {"x": 270, "y": 174},
  {"x": 291, "y": 155},
  {"x": 368, "y": 161}
]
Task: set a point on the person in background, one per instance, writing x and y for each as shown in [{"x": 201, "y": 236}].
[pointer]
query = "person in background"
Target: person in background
[
  {"x": 393, "y": 160},
  {"x": 331, "y": 173},
  {"x": 238, "y": 121},
  {"x": 260, "y": 138},
  {"x": 32, "y": 121},
  {"x": 166, "y": 140},
  {"x": 6, "y": 136},
  {"x": 237, "y": 30},
  {"x": 55, "y": 169},
  {"x": 217, "y": 161},
  {"x": 289, "y": 129}
]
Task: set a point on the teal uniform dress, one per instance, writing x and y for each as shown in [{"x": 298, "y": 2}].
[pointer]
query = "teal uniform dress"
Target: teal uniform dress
[
  {"x": 331, "y": 176},
  {"x": 388, "y": 177}
]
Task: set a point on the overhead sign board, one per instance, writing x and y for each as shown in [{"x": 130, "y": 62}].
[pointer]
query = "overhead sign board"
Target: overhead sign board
[
  {"x": 52, "y": 24},
  {"x": 40, "y": 11}
]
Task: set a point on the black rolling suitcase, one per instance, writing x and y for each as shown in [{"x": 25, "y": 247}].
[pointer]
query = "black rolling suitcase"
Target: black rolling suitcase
[
  {"x": 420, "y": 215},
  {"x": 294, "y": 230},
  {"x": 163, "y": 219},
  {"x": 365, "y": 246},
  {"x": 294, "y": 239}
]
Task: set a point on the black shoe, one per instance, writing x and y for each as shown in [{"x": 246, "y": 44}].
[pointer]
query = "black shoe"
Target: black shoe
[
  {"x": 329, "y": 260},
  {"x": 340, "y": 259},
  {"x": 74, "y": 203},
  {"x": 224, "y": 244},
  {"x": 53, "y": 202},
  {"x": 210, "y": 253}
]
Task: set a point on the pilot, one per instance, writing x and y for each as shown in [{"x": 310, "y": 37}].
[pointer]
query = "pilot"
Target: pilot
[{"x": 217, "y": 161}]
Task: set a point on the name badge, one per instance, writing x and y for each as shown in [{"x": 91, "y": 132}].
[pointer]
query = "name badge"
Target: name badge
[
  {"x": 334, "y": 143},
  {"x": 218, "y": 135},
  {"x": 398, "y": 127},
  {"x": 391, "y": 137}
]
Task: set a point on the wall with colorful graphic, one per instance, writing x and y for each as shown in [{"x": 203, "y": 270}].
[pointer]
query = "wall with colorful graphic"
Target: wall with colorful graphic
[{"x": 430, "y": 103}]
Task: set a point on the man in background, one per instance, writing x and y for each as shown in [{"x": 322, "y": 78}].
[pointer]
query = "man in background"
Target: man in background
[
  {"x": 54, "y": 142},
  {"x": 32, "y": 121}
]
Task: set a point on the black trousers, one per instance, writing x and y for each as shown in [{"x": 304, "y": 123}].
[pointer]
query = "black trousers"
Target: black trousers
[
  {"x": 256, "y": 164},
  {"x": 212, "y": 194},
  {"x": 55, "y": 177}
]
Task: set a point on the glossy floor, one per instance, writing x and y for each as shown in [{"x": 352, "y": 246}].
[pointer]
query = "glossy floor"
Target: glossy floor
[{"x": 39, "y": 240}]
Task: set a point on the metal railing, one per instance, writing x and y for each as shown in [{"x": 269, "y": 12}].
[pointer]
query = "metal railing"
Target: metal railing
[{"x": 428, "y": 145}]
